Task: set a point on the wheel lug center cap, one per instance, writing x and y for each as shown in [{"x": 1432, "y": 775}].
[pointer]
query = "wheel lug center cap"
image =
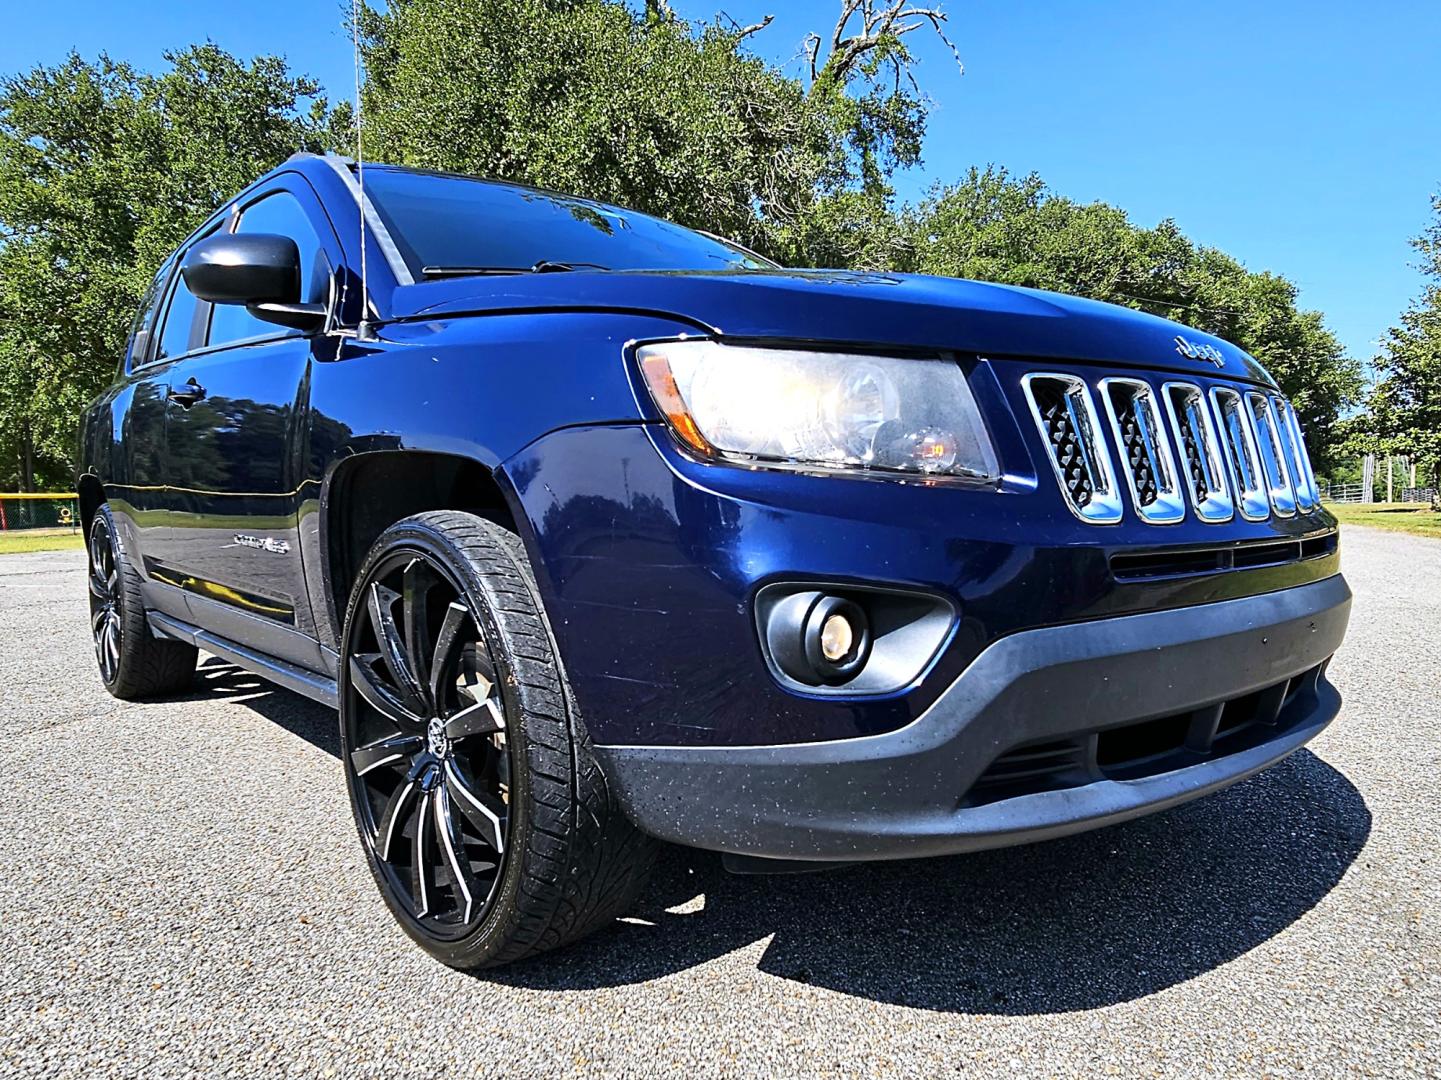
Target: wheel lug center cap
[{"x": 435, "y": 737}]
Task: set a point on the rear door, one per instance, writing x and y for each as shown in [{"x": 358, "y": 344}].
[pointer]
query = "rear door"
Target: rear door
[
  {"x": 135, "y": 486},
  {"x": 235, "y": 449}
]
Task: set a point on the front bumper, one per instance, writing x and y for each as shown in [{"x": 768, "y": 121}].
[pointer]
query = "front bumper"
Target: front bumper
[{"x": 911, "y": 792}]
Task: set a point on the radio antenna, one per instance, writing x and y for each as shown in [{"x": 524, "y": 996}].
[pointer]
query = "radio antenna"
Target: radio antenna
[{"x": 363, "y": 329}]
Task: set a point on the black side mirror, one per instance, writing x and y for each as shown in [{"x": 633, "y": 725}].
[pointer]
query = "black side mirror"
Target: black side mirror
[{"x": 259, "y": 270}]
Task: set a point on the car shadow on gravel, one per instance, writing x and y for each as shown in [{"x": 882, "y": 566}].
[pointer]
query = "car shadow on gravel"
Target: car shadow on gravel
[
  {"x": 216, "y": 679},
  {"x": 1076, "y": 923}
]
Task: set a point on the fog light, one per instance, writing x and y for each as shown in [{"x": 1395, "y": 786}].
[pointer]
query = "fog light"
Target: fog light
[
  {"x": 837, "y": 637},
  {"x": 818, "y": 638}
]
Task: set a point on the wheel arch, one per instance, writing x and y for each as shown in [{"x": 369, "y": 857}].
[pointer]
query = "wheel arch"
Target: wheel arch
[
  {"x": 92, "y": 495},
  {"x": 368, "y": 492}
]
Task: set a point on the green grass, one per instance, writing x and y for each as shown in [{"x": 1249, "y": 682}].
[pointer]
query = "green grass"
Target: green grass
[
  {"x": 12, "y": 543},
  {"x": 1416, "y": 518}
]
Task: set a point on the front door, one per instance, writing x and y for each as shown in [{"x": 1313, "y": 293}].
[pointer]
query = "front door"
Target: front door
[
  {"x": 236, "y": 438},
  {"x": 231, "y": 540}
]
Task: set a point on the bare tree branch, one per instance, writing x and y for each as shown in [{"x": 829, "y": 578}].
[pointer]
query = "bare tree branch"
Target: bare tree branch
[
  {"x": 882, "y": 22},
  {"x": 848, "y": 8},
  {"x": 746, "y": 31},
  {"x": 812, "y": 47}
]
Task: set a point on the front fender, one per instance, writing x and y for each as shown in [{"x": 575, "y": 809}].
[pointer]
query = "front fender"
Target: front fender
[{"x": 480, "y": 387}]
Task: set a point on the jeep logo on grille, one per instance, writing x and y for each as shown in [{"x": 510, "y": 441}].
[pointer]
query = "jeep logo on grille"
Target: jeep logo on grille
[{"x": 1193, "y": 351}]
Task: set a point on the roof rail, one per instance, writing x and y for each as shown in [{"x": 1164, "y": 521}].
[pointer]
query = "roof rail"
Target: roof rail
[{"x": 311, "y": 155}]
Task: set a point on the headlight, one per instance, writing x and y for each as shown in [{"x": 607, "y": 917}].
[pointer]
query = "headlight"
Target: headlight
[{"x": 819, "y": 410}]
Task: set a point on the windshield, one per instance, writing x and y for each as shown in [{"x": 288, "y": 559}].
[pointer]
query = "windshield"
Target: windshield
[{"x": 444, "y": 222}]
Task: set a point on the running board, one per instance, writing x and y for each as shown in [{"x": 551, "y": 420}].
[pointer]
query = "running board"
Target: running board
[{"x": 314, "y": 686}]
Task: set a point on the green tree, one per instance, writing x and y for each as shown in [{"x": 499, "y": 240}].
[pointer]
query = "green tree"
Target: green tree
[
  {"x": 640, "y": 108},
  {"x": 996, "y": 227},
  {"x": 103, "y": 171},
  {"x": 1403, "y": 409}
]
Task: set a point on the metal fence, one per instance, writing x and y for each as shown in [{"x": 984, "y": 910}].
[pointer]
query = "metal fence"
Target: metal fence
[
  {"x": 1343, "y": 493},
  {"x": 1356, "y": 493},
  {"x": 47, "y": 510}
]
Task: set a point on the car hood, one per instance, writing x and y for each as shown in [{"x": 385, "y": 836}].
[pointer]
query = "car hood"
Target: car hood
[{"x": 853, "y": 308}]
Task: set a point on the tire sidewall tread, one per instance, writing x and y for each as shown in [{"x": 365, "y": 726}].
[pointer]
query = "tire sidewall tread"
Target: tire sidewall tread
[{"x": 574, "y": 861}]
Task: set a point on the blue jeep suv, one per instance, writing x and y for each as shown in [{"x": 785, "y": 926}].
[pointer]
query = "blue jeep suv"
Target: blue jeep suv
[{"x": 597, "y": 530}]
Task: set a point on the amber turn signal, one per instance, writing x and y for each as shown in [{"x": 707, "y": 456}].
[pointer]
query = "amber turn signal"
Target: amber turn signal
[{"x": 658, "y": 376}]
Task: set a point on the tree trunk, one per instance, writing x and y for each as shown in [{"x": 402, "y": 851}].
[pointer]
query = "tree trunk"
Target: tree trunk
[{"x": 27, "y": 460}]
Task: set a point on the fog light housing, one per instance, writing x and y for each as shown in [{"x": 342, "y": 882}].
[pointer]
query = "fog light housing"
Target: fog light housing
[{"x": 842, "y": 639}]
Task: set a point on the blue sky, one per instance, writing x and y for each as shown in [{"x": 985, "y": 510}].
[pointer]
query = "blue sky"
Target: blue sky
[{"x": 1301, "y": 137}]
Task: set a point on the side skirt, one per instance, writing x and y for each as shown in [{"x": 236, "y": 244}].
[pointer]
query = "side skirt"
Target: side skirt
[{"x": 314, "y": 686}]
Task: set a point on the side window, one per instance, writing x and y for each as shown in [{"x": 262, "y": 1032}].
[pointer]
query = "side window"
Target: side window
[
  {"x": 137, "y": 348},
  {"x": 280, "y": 214},
  {"x": 179, "y": 318}
]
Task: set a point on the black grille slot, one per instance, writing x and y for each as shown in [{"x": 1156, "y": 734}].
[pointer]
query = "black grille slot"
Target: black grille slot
[
  {"x": 1191, "y": 448},
  {"x": 1139, "y": 742},
  {"x": 1261, "y": 707},
  {"x": 1144, "y": 565},
  {"x": 1298, "y": 462},
  {"x": 1147, "y": 747},
  {"x": 1157, "y": 564},
  {"x": 1274, "y": 469},
  {"x": 1146, "y": 461},
  {"x": 1064, "y": 432},
  {"x": 1267, "y": 554},
  {"x": 1034, "y": 767},
  {"x": 1139, "y": 455}
]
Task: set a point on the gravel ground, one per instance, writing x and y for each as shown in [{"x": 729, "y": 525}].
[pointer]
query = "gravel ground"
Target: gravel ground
[{"x": 181, "y": 894}]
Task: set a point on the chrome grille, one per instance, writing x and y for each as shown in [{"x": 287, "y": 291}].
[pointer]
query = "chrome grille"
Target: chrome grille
[
  {"x": 1242, "y": 456},
  {"x": 1273, "y": 454},
  {"x": 1200, "y": 443},
  {"x": 1220, "y": 448},
  {"x": 1146, "y": 460},
  {"x": 1061, "y": 406}
]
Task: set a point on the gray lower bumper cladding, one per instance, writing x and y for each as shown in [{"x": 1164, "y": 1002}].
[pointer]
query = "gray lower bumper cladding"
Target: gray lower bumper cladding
[{"x": 909, "y": 793}]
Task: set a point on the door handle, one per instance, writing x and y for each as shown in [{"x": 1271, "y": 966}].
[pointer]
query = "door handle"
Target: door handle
[{"x": 186, "y": 394}]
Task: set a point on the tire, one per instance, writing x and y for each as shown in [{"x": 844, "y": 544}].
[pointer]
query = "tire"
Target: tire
[
  {"x": 134, "y": 664},
  {"x": 484, "y": 817}
]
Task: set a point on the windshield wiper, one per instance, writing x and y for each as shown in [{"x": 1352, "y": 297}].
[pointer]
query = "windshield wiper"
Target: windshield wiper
[{"x": 545, "y": 266}]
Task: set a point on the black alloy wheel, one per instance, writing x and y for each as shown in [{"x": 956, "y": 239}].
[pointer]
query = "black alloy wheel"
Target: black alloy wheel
[
  {"x": 430, "y": 764},
  {"x": 484, "y": 816},
  {"x": 134, "y": 663},
  {"x": 105, "y": 599}
]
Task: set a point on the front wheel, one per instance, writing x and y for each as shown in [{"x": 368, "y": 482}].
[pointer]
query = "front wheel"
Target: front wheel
[{"x": 484, "y": 817}]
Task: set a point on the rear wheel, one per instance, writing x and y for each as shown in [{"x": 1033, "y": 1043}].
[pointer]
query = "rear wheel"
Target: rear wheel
[
  {"x": 133, "y": 662},
  {"x": 485, "y": 820}
]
